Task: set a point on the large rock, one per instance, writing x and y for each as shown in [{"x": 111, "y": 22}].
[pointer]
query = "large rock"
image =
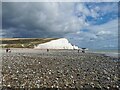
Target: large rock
[{"x": 61, "y": 43}]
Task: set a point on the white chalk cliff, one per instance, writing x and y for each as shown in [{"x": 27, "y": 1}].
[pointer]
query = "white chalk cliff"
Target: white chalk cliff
[{"x": 61, "y": 43}]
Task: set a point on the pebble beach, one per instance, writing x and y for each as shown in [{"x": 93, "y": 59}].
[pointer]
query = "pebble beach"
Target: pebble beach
[{"x": 60, "y": 69}]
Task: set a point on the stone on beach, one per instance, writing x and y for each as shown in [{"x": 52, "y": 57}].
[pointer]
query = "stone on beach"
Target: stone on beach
[{"x": 58, "y": 69}]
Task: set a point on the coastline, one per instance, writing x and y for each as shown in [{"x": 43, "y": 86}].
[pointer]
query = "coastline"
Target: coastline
[{"x": 114, "y": 54}]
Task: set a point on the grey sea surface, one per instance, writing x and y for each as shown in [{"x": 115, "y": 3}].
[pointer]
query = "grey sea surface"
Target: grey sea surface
[{"x": 112, "y": 53}]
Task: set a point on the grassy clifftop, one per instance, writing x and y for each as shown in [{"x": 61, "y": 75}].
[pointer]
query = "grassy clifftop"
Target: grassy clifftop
[{"x": 23, "y": 42}]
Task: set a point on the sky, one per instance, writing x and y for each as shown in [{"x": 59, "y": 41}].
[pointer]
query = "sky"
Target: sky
[{"x": 92, "y": 25}]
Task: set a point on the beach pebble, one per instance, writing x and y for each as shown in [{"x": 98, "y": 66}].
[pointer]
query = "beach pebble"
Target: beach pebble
[{"x": 59, "y": 69}]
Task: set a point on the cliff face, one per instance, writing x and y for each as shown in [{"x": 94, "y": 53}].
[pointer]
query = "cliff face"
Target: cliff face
[{"x": 61, "y": 43}]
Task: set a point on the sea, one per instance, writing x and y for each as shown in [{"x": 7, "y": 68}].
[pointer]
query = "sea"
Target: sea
[{"x": 112, "y": 53}]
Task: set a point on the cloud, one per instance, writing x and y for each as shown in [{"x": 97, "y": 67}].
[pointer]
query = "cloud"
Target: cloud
[
  {"x": 97, "y": 36},
  {"x": 40, "y": 19},
  {"x": 110, "y": 28},
  {"x": 82, "y": 10},
  {"x": 44, "y": 19}
]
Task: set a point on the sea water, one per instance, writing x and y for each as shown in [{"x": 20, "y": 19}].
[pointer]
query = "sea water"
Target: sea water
[{"x": 112, "y": 53}]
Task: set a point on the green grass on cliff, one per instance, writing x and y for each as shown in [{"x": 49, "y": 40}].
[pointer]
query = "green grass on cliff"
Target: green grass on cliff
[{"x": 23, "y": 42}]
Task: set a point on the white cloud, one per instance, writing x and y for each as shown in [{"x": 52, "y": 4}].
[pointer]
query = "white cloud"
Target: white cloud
[
  {"x": 98, "y": 36},
  {"x": 104, "y": 33},
  {"x": 81, "y": 9},
  {"x": 108, "y": 28}
]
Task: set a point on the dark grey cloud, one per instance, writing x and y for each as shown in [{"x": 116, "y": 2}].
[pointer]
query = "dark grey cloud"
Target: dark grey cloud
[
  {"x": 0, "y": 14},
  {"x": 40, "y": 19}
]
